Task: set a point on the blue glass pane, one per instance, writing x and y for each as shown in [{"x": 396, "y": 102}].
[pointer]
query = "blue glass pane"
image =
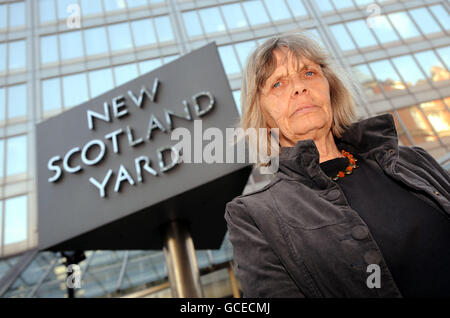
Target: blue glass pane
[
  {"x": 404, "y": 25},
  {"x": 125, "y": 73},
  {"x": 343, "y": 4},
  {"x": 424, "y": 20},
  {"x": 150, "y": 65},
  {"x": 2, "y": 103},
  {"x": 49, "y": 49},
  {"x": 51, "y": 94},
  {"x": 16, "y": 14},
  {"x": 17, "y": 101},
  {"x": 363, "y": 3},
  {"x": 409, "y": 70},
  {"x": 2, "y": 160},
  {"x": 229, "y": 60},
  {"x": 432, "y": 66},
  {"x": 255, "y": 12},
  {"x": 386, "y": 75},
  {"x": 63, "y": 6},
  {"x": 237, "y": 101},
  {"x": 212, "y": 21},
  {"x": 96, "y": 41},
  {"x": 361, "y": 33},
  {"x": 297, "y": 8},
  {"x": 2, "y": 57},
  {"x": 442, "y": 15},
  {"x": 136, "y": 3},
  {"x": 100, "y": 81},
  {"x": 244, "y": 49},
  {"x": 383, "y": 30},
  {"x": 17, "y": 55},
  {"x": 3, "y": 16},
  {"x": 89, "y": 7},
  {"x": 234, "y": 17},
  {"x": 16, "y": 219},
  {"x": 324, "y": 5},
  {"x": 342, "y": 37},
  {"x": 143, "y": 32},
  {"x": 16, "y": 155},
  {"x": 168, "y": 59},
  {"x": 111, "y": 5},
  {"x": 47, "y": 10},
  {"x": 119, "y": 36},
  {"x": 444, "y": 53},
  {"x": 192, "y": 23},
  {"x": 74, "y": 90},
  {"x": 364, "y": 77},
  {"x": 71, "y": 45},
  {"x": 164, "y": 29},
  {"x": 277, "y": 9}
]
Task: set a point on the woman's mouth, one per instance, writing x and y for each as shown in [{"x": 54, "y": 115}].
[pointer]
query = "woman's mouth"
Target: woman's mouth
[{"x": 305, "y": 109}]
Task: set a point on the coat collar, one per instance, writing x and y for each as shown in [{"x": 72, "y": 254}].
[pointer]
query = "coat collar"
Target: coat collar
[{"x": 362, "y": 138}]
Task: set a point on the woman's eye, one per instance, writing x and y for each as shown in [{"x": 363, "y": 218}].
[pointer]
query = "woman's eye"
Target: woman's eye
[
  {"x": 277, "y": 84},
  {"x": 309, "y": 73}
]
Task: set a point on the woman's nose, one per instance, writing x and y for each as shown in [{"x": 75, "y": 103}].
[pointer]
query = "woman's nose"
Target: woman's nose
[{"x": 299, "y": 87}]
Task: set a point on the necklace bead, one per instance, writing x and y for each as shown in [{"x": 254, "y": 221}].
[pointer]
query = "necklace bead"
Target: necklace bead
[{"x": 352, "y": 165}]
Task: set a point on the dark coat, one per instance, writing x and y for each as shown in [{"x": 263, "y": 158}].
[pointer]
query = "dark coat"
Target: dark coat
[{"x": 298, "y": 236}]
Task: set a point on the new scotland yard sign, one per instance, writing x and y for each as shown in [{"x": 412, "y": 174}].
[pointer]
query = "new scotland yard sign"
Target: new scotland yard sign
[{"x": 109, "y": 176}]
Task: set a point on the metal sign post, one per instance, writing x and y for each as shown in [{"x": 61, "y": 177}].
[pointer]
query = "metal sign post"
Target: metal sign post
[{"x": 182, "y": 266}]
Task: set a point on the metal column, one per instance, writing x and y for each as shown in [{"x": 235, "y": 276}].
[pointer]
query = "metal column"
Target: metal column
[{"x": 181, "y": 261}]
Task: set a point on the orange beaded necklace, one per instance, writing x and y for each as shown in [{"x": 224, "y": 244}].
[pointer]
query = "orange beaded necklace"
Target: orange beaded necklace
[{"x": 350, "y": 167}]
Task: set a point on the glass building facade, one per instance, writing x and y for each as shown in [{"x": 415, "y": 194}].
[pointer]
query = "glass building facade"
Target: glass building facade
[{"x": 56, "y": 54}]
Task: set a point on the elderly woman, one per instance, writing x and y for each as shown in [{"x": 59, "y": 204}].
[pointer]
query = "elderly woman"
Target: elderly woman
[{"x": 349, "y": 213}]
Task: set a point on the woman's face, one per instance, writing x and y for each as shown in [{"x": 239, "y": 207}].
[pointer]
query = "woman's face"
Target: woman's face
[{"x": 296, "y": 99}]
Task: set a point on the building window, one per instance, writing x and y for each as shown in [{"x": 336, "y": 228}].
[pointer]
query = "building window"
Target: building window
[
  {"x": 229, "y": 61},
  {"x": 237, "y": 100},
  {"x": 15, "y": 228},
  {"x": 325, "y": 5},
  {"x": 439, "y": 117},
  {"x": 212, "y": 20},
  {"x": 164, "y": 29},
  {"x": 425, "y": 21},
  {"x": 234, "y": 16},
  {"x": 2, "y": 57},
  {"x": 63, "y": 5},
  {"x": 96, "y": 41},
  {"x": 51, "y": 94},
  {"x": 403, "y": 24},
  {"x": 442, "y": 15},
  {"x": 342, "y": 4},
  {"x": 361, "y": 33},
  {"x": 17, "y": 101},
  {"x": 119, "y": 36},
  {"x": 384, "y": 30},
  {"x": 408, "y": 69},
  {"x": 430, "y": 63},
  {"x": 49, "y": 49},
  {"x": 444, "y": 53},
  {"x": 16, "y": 155},
  {"x": 16, "y": 14},
  {"x": 277, "y": 9},
  {"x": 297, "y": 8},
  {"x": 113, "y": 5},
  {"x": 192, "y": 23},
  {"x": 71, "y": 45},
  {"x": 143, "y": 32},
  {"x": 386, "y": 76},
  {"x": 366, "y": 79},
  {"x": 255, "y": 12},
  {"x": 74, "y": 89},
  {"x": 47, "y": 11},
  {"x": 125, "y": 73},
  {"x": 91, "y": 7},
  {"x": 100, "y": 81},
  {"x": 17, "y": 55},
  {"x": 149, "y": 65},
  {"x": 345, "y": 41},
  {"x": 3, "y": 16},
  {"x": 2, "y": 105}
]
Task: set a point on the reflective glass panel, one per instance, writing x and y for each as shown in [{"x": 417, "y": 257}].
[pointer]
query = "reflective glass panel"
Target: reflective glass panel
[
  {"x": 424, "y": 20},
  {"x": 49, "y": 49},
  {"x": 96, "y": 41},
  {"x": 366, "y": 79},
  {"x": 409, "y": 70},
  {"x": 324, "y": 5},
  {"x": 119, "y": 36},
  {"x": 16, "y": 155},
  {"x": 63, "y": 7},
  {"x": 16, "y": 14},
  {"x": 243, "y": 50},
  {"x": 150, "y": 65},
  {"x": 71, "y": 45},
  {"x": 297, "y": 8},
  {"x": 125, "y": 73},
  {"x": 17, "y": 55},
  {"x": 47, "y": 10},
  {"x": 438, "y": 115},
  {"x": 111, "y": 5},
  {"x": 100, "y": 81},
  {"x": 234, "y": 17},
  {"x": 277, "y": 9},
  {"x": 74, "y": 89},
  {"x": 143, "y": 32},
  {"x": 89, "y": 7},
  {"x": 343, "y": 4},
  {"x": 2, "y": 160},
  {"x": 3, "y": 15},
  {"x": 2, "y": 57},
  {"x": 432, "y": 66},
  {"x": 16, "y": 219},
  {"x": 384, "y": 30},
  {"x": 229, "y": 60},
  {"x": 442, "y": 15},
  {"x": 2, "y": 103},
  {"x": 417, "y": 125},
  {"x": 343, "y": 39},
  {"x": 444, "y": 53},
  {"x": 237, "y": 100},
  {"x": 211, "y": 19},
  {"x": 360, "y": 32},
  {"x": 405, "y": 27},
  {"x": 17, "y": 101},
  {"x": 164, "y": 29},
  {"x": 51, "y": 94},
  {"x": 136, "y": 3},
  {"x": 255, "y": 12},
  {"x": 192, "y": 23},
  {"x": 386, "y": 75}
]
